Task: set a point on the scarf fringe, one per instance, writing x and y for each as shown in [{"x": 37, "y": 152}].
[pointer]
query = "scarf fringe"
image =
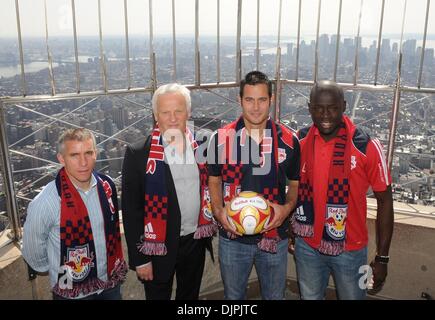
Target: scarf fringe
[
  {"x": 331, "y": 248},
  {"x": 302, "y": 230},
  {"x": 152, "y": 248},
  {"x": 268, "y": 244},
  {"x": 119, "y": 274},
  {"x": 87, "y": 288},
  {"x": 205, "y": 231}
]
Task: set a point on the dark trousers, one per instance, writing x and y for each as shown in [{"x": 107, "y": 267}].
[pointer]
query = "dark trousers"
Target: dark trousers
[
  {"x": 188, "y": 271},
  {"x": 109, "y": 294}
]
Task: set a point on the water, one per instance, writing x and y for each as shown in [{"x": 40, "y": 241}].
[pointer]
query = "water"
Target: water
[{"x": 10, "y": 71}]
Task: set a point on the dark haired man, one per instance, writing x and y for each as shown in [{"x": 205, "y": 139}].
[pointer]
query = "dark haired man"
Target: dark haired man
[{"x": 254, "y": 153}]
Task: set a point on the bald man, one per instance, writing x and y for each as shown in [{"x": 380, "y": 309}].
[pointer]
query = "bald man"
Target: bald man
[{"x": 339, "y": 162}]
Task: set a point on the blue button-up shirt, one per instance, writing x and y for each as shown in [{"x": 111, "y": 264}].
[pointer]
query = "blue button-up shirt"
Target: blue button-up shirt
[{"x": 41, "y": 236}]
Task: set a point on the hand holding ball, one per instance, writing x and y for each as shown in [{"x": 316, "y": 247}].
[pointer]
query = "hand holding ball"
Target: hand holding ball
[{"x": 249, "y": 212}]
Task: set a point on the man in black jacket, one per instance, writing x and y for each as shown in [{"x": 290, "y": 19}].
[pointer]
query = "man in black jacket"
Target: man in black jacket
[{"x": 168, "y": 224}]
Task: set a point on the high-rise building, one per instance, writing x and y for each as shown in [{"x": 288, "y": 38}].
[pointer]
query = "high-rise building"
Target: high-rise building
[
  {"x": 395, "y": 48},
  {"x": 385, "y": 50},
  {"x": 290, "y": 50},
  {"x": 120, "y": 117},
  {"x": 324, "y": 46}
]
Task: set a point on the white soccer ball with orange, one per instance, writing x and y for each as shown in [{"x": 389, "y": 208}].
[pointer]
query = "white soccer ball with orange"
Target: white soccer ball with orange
[{"x": 249, "y": 212}]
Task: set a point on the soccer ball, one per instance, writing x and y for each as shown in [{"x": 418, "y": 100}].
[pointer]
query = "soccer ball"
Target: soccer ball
[{"x": 249, "y": 212}]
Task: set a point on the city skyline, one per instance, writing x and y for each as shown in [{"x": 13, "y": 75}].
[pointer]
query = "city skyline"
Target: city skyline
[
  {"x": 60, "y": 18},
  {"x": 124, "y": 119},
  {"x": 119, "y": 120}
]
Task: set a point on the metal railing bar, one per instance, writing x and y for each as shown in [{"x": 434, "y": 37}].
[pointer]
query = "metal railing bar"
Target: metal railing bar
[
  {"x": 394, "y": 115},
  {"x": 278, "y": 88},
  {"x": 307, "y": 98},
  {"x": 66, "y": 96},
  {"x": 407, "y": 144},
  {"x": 64, "y": 122},
  {"x": 356, "y": 66},
  {"x": 20, "y": 46},
  {"x": 279, "y": 25},
  {"x": 76, "y": 52},
  {"x": 423, "y": 48},
  {"x": 293, "y": 112},
  {"x": 374, "y": 118},
  {"x": 197, "y": 55},
  {"x": 109, "y": 159},
  {"x": 425, "y": 175},
  {"x": 236, "y": 103},
  {"x": 298, "y": 41},
  {"x": 127, "y": 45},
  {"x": 51, "y": 170},
  {"x": 218, "y": 116},
  {"x": 396, "y": 99},
  {"x": 426, "y": 155},
  {"x": 49, "y": 124},
  {"x": 337, "y": 45},
  {"x": 257, "y": 49},
  {"x": 238, "y": 44},
  {"x": 102, "y": 57},
  {"x": 49, "y": 56},
  {"x": 223, "y": 97},
  {"x": 34, "y": 182},
  {"x": 126, "y": 128},
  {"x": 316, "y": 50},
  {"x": 174, "y": 44},
  {"x": 33, "y": 157},
  {"x": 378, "y": 51},
  {"x": 403, "y": 25},
  {"x": 32, "y": 169},
  {"x": 417, "y": 90},
  {"x": 345, "y": 85},
  {"x": 218, "y": 42},
  {"x": 152, "y": 53},
  {"x": 135, "y": 103},
  {"x": 8, "y": 179},
  {"x": 24, "y": 198},
  {"x": 222, "y": 85}
]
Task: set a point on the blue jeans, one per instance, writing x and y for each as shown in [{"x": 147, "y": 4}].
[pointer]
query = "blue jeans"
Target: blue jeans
[
  {"x": 236, "y": 260},
  {"x": 313, "y": 270}
]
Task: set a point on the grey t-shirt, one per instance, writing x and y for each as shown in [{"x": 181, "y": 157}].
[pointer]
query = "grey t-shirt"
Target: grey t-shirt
[{"x": 185, "y": 174}]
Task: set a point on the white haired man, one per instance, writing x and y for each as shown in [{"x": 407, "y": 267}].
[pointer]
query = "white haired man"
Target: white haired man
[{"x": 166, "y": 214}]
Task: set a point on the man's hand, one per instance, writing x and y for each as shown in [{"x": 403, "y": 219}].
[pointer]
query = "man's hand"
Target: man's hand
[
  {"x": 145, "y": 273},
  {"x": 280, "y": 213},
  {"x": 380, "y": 271},
  {"x": 222, "y": 217}
]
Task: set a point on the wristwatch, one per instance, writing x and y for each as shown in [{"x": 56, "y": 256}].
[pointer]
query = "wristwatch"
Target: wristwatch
[{"x": 382, "y": 259}]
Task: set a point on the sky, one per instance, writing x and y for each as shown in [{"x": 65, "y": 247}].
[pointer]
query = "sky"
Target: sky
[{"x": 60, "y": 17}]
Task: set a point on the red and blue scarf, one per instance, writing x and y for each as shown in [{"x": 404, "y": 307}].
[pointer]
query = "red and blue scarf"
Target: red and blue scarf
[
  {"x": 77, "y": 247},
  {"x": 233, "y": 137},
  {"x": 156, "y": 199},
  {"x": 336, "y": 205}
]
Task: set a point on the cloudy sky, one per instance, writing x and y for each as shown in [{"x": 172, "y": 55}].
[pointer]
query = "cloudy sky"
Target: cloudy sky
[{"x": 60, "y": 19}]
